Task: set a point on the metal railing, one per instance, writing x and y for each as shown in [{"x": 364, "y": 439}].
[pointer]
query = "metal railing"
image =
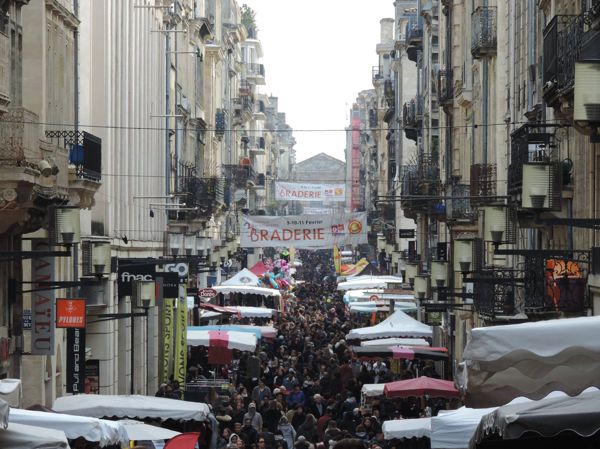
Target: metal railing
[
  {"x": 483, "y": 31},
  {"x": 414, "y": 30},
  {"x": 446, "y": 86},
  {"x": 459, "y": 206},
  {"x": 255, "y": 69},
  {"x": 483, "y": 182},
  {"x": 377, "y": 71},
  {"x": 562, "y": 47},
  {"x": 19, "y": 140}
]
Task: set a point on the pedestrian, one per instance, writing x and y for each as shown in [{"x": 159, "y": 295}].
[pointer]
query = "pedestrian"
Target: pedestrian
[
  {"x": 287, "y": 431},
  {"x": 254, "y": 417}
]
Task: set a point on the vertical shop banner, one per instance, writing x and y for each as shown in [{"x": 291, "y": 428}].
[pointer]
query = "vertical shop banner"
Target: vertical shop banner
[
  {"x": 303, "y": 231},
  {"x": 42, "y": 302},
  {"x": 337, "y": 260},
  {"x": 167, "y": 329},
  {"x": 181, "y": 338},
  {"x": 70, "y": 313},
  {"x": 75, "y": 360}
]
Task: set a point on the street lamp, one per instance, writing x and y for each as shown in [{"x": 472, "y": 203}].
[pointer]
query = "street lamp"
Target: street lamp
[
  {"x": 189, "y": 243},
  {"x": 175, "y": 242},
  {"x": 421, "y": 285},
  {"x": 66, "y": 225},
  {"x": 463, "y": 255},
  {"x": 411, "y": 271},
  {"x": 439, "y": 272}
]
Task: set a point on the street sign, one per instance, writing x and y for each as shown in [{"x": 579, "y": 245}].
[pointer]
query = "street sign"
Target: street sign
[
  {"x": 27, "y": 319},
  {"x": 406, "y": 233},
  {"x": 373, "y": 298},
  {"x": 207, "y": 293}
]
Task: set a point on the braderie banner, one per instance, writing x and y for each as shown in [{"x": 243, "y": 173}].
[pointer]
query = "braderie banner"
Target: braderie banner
[
  {"x": 304, "y": 231},
  {"x": 295, "y": 191}
]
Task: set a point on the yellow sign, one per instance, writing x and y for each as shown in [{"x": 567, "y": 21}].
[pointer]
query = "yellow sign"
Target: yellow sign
[
  {"x": 167, "y": 330},
  {"x": 181, "y": 338},
  {"x": 337, "y": 260}
]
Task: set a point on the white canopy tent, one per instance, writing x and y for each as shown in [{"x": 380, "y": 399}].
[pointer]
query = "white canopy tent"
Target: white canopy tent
[
  {"x": 242, "y": 341},
  {"x": 368, "y": 282},
  {"x": 407, "y": 428},
  {"x": 247, "y": 290},
  {"x": 454, "y": 429},
  {"x": 244, "y": 277},
  {"x": 19, "y": 436},
  {"x": 10, "y": 391},
  {"x": 561, "y": 354},
  {"x": 354, "y": 296},
  {"x": 139, "y": 431},
  {"x": 131, "y": 406},
  {"x": 396, "y": 342},
  {"x": 104, "y": 432},
  {"x": 399, "y": 324},
  {"x": 253, "y": 312},
  {"x": 372, "y": 390},
  {"x": 363, "y": 307}
]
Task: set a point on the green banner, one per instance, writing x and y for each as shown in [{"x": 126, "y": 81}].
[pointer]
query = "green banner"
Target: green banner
[
  {"x": 181, "y": 338},
  {"x": 167, "y": 349}
]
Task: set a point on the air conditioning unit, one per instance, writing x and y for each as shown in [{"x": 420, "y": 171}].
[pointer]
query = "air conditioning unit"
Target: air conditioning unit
[{"x": 586, "y": 104}]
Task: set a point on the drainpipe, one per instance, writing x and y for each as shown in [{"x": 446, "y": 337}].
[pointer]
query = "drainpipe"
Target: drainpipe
[
  {"x": 75, "y": 251},
  {"x": 167, "y": 111},
  {"x": 485, "y": 113},
  {"x": 531, "y": 7}
]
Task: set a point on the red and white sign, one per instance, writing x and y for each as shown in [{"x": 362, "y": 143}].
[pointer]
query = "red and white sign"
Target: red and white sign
[
  {"x": 285, "y": 191},
  {"x": 373, "y": 298},
  {"x": 304, "y": 231},
  {"x": 207, "y": 293},
  {"x": 70, "y": 313}
]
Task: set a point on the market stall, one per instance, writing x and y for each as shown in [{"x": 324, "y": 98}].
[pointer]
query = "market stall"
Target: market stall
[
  {"x": 95, "y": 430},
  {"x": 266, "y": 332},
  {"x": 139, "y": 431},
  {"x": 420, "y": 386},
  {"x": 453, "y": 429},
  {"x": 561, "y": 354},
  {"x": 402, "y": 429},
  {"x": 399, "y": 324},
  {"x": 368, "y": 282},
  {"x": 401, "y": 352},
  {"x": 20, "y": 436}
]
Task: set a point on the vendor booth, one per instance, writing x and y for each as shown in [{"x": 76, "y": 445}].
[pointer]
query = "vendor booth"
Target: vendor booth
[
  {"x": 19, "y": 436},
  {"x": 368, "y": 282},
  {"x": 561, "y": 354},
  {"x": 242, "y": 341},
  {"x": 399, "y": 324},
  {"x": 402, "y": 429}
]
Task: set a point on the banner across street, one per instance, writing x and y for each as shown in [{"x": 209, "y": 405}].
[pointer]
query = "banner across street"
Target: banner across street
[
  {"x": 285, "y": 191},
  {"x": 304, "y": 231}
]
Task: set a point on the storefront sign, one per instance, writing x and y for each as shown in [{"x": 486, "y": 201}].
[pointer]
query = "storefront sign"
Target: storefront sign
[
  {"x": 180, "y": 371},
  {"x": 70, "y": 313},
  {"x": 42, "y": 302},
  {"x": 286, "y": 191},
  {"x": 75, "y": 360},
  {"x": 406, "y": 233},
  {"x": 207, "y": 293},
  {"x": 167, "y": 343},
  {"x": 304, "y": 231},
  {"x": 170, "y": 284},
  {"x": 92, "y": 376},
  {"x": 130, "y": 271}
]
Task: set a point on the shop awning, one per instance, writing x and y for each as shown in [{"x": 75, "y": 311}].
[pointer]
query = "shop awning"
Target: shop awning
[
  {"x": 407, "y": 428},
  {"x": 131, "y": 406},
  {"x": 453, "y": 429},
  {"x": 399, "y": 324},
  {"x": 420, "y": 386},
  {"x": 266, "y": 332},
  {"x": 395, "y": 342},
  {"x": 401, "y": 352},
  {"x": 531, "y": 360},
  {"x": 363, "y": 307},
  {"x": 549, "y": 417},
  {"x": 242, "y": 341},
  {"x": 19, "y": 436},
  {"x": 103, "y": 432}
]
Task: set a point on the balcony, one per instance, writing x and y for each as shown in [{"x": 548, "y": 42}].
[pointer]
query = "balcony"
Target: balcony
[
  {"x": 220, "y": 123},
  {"x": 483, "y": 183},
  {"x": 243, "y": 107},
  {"x": 206, "y": 195},
  {"x": 245, "y": 88},
  {"x": 421, "y": 180},
  {"x": 377, "y": 73},
  {"x": 412, "y": 117},
  {"x": 534, "y": 146},
  {"x": 562, "y": 48},
  {"x": 256, "y": 72},
  {"x": 445, "y": 87},
  {"x": 242, "y": 176},
  {"x": 483, "y": 32},
  {"x": 459, "y": 207},
  {"x": 494, "y": 292},
  {"x": 373, "y": 119}
]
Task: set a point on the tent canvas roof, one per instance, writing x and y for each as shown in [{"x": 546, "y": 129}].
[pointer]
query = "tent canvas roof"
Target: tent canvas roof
[
  {"x": 131, "y": 406},
  {"x": 369, "y": 269},
  {"x": 245, "y": 277},
  {"x": 399, "y": 324},
  {"x": 407, "y": 428}
]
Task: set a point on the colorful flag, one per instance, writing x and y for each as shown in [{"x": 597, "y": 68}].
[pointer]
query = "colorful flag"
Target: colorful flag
[
  {"x": 167, "y": 330},
  {"x": 181, "y": 338}
]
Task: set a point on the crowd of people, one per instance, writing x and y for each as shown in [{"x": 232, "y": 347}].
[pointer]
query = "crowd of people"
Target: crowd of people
[{"x": 304, "y": 390}]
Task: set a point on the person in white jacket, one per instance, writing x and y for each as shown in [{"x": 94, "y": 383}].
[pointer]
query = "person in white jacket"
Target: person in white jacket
[{"x": 287, "y": 432}]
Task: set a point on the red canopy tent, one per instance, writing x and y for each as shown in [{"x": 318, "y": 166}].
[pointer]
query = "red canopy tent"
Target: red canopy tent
[{"x": 420, "y": 386}]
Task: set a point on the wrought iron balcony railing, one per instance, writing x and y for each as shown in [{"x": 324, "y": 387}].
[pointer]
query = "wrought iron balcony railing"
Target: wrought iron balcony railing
[
  {"x": 241, "y": 176},
  {"x": 373, "y": 120},
  {"x": 256, "y": 70},
  {"x": 562, "y": 47},
  {"x": 445, "y": 86},
  {"x": 87, "y": 157},
  {"x": 220, "y": 123},
  {"x": 377, "y": 71},
  {"x": 412, "y": 113},
  {"x": 414, "y": 31},
  {"x": 459, "y": 206},
  {"x": 531, "y": 143},
  {"x": 483, "y": 183},
  {"x": 483, "y": 31},
  {"x": 494, "y": 291}
]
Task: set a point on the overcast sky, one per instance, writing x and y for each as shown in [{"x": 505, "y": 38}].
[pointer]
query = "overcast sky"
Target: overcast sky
[{"x": 318, "y": 55}]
